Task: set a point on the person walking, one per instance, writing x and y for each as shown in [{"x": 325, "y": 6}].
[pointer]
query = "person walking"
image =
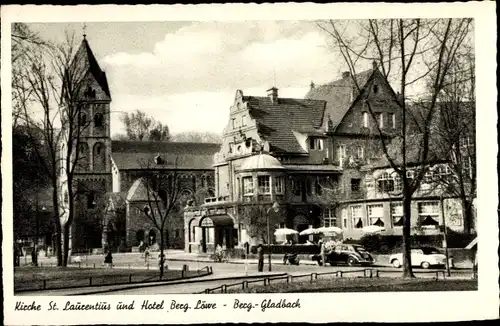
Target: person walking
[{"x": 260, "y": 254}]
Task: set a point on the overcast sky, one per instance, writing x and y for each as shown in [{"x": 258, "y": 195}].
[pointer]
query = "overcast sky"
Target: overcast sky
[{"x": 185, "y": 74}]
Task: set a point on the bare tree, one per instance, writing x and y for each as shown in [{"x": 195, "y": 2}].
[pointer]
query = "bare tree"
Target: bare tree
[
  {"x": 140, "y": 126},
  {"x": 50, "y": 92},
  {"x": 410, "y": 51},
  {"x": 162, "y": 199}
]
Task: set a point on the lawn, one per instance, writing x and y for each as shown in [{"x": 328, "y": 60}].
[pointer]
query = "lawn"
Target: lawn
[
  {"x": 361, "y": 285},
  {"x": 33, "y": 278}
]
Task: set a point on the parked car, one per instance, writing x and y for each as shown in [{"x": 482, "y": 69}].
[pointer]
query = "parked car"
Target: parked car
[
  {"x": 350, "y": 254},
  {"x": 424, "y": 257}
]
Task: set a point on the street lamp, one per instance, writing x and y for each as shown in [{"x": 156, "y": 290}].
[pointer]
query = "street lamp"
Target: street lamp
[
  {"x": 37, "y": 227},
  {"x": 275, "y": 208}
]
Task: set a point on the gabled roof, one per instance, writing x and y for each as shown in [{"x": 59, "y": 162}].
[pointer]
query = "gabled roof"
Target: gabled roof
[
  {"x": 142, "y": 154},
  {"x": 137, "y": 191},
  {"x": 276, "y": 121},
  {"x": 85, "y": 60},
  {"x": 338, "y": 94}
]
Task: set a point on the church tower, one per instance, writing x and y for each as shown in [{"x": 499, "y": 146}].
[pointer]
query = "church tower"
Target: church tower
[{"x": 92, "y": 179}]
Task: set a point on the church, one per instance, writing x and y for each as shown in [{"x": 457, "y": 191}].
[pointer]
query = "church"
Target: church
[{"x": 110, "y": 199}]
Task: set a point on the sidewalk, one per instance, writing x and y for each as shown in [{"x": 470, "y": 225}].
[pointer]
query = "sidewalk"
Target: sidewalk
[{"x": 110, "y": 288}]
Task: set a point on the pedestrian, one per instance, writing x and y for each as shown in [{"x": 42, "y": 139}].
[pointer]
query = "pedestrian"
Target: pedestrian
[
  {"x": 108, "y": 259},
  {"x": 260, "y": 254},
  {"x": 16, "y": 256}
]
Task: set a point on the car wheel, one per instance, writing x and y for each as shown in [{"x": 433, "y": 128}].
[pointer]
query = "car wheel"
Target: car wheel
[
  {"x": 396, "y": 263},
  {"x": 425, "y": 265},
  {"x": 351, "y": 261}
]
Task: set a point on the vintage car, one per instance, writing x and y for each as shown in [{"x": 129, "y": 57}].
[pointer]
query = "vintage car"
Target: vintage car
[
  {"x": 424, "y": 257},
  {"x": 350, "y": 254}
]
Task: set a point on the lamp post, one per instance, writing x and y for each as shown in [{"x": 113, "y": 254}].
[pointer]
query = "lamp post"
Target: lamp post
[
  {"x": 275, "y": 208},
  {"x": 37, "y": 228}
]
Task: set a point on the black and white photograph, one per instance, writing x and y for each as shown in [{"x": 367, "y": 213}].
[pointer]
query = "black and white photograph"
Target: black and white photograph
[{"x": 278, "y": 156}]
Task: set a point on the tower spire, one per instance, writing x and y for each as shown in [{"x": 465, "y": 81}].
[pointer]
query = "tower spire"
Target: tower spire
[{"x": 84, "y": 31}]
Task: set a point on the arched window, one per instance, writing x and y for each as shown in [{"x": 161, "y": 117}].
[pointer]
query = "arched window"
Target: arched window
[
  {"x": 99, "y": 157},
  {"x": 98, "y": 120},
  {"x": 83, "y": 119},
  {"x": 203, "y": 181},
  {"x": 91, "y": 200},
  {"x": 211, "y": 193},
  {"x": 83, "y": 156}
]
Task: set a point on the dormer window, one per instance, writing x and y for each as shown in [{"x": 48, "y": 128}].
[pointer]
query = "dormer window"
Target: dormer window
[
  {"x": 316, "y": 143},
  {"x": 375, "y": 89}
]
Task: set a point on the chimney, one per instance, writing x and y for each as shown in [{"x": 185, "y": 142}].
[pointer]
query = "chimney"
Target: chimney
[
  {"x": 272, "y": 93},
  {"x": 374, "y": 65},
  {"x": 346, "y": 74},
  {"x": 312, "y": 84}
]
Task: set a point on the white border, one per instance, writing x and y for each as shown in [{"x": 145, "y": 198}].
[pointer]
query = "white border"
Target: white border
[{"x": 323, "y": 307}]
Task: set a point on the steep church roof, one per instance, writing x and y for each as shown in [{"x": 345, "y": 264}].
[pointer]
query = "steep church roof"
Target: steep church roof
[
  {"x": 339, "y": 94},
  {"x": 276, "y": 121},
  {"x": 85, "y": 60},
  {"x": 133, "y": 155}
]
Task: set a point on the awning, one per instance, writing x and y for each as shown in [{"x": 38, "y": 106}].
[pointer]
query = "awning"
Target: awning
[{"x": 218, "y": 220}]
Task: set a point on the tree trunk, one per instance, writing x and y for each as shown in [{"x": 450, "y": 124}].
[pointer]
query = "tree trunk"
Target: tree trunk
[
  {"x": 407, "y": 269},
  {"x": 162, "y": 257},
  {"x": 66, "y": 232},
  {"x": 57, "y": 222},
  {"x": 467, "y": 215}
]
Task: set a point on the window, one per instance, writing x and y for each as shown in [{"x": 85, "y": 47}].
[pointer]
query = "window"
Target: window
[
  {"x": 98, "y": 120},
  {"x": 91, "y": 200},
  {"x": 98, "y": 149},
  {"x": 385, "y": 183},
  {"x": 375, "y": 89},
  {"x": 341, "y": 154},
  {"x": 264, "y": 184},
  {"x": 316, "y": 143},
  {"x": 83, "y": 119},
  {"x": 356, "y": 216},
  {"x": 365, "y": 119},
  {"x": 318, "y": 189},
  {"x": 278, "y": 185},
  {"x": 380, "y": 120},
  {"x": 329, "y": 218},
  {"x": 234, "y": 123},
  {"x": 398, "y": 183},
  {"x": 465, "y": 142},
  {"x": 247, "y": 186},
  {"x": 397, "y": 214},
  {"x": 296, "y": 187},
  {"x": 376, "y": 215},
  {"x": 66, "y": 197},
  {"x": 392, "y": 118},
  {"x": 355, "y": 185},
  {"x": 428, "y": 213},
  {"x": 244, "y": 120},
  {"x": 360, "y": 151},
  {"x": 344, "y": 218},
  {"x": 410, "y": 175},
  {"x": 429, "y": 176},
  {"x": 177, "y": 233}
]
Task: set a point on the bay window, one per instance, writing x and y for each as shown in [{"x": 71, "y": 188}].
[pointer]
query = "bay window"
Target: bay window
[
  {"x": 376, "y": 215},
  {"x": 357, "y": 216}
]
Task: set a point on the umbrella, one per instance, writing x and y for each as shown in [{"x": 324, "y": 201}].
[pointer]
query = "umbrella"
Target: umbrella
[
  {"x": 309, "y": 231},
  {"x": 372, "y": 229},
  {"x": 329, "y": 229},
  {"x": 285, "y": 231}
]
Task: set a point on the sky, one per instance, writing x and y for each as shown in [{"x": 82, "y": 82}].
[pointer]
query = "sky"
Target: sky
[{"x": 186, "y": 74}]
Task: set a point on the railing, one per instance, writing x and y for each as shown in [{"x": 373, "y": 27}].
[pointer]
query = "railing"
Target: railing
[
  {"x": 106, "y": 280},
  {"x": 367, "y": 273}
]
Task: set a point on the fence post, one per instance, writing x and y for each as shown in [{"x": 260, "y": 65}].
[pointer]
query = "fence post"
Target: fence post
[
  {"x": 147, "y": 265},
  {"x": 90, "y": 281},
  {"x": 94, "y": 265},
  {"x": 79, "y": 265},
  {"x": 207, "y": 290},
  {"x": 376, "y": 273},
  {"x": 183, "y": 272},
  {"x": 224, "y": 288},
  {"x": 130, "y": 278},
  {"x": 44, "y": 284}
]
